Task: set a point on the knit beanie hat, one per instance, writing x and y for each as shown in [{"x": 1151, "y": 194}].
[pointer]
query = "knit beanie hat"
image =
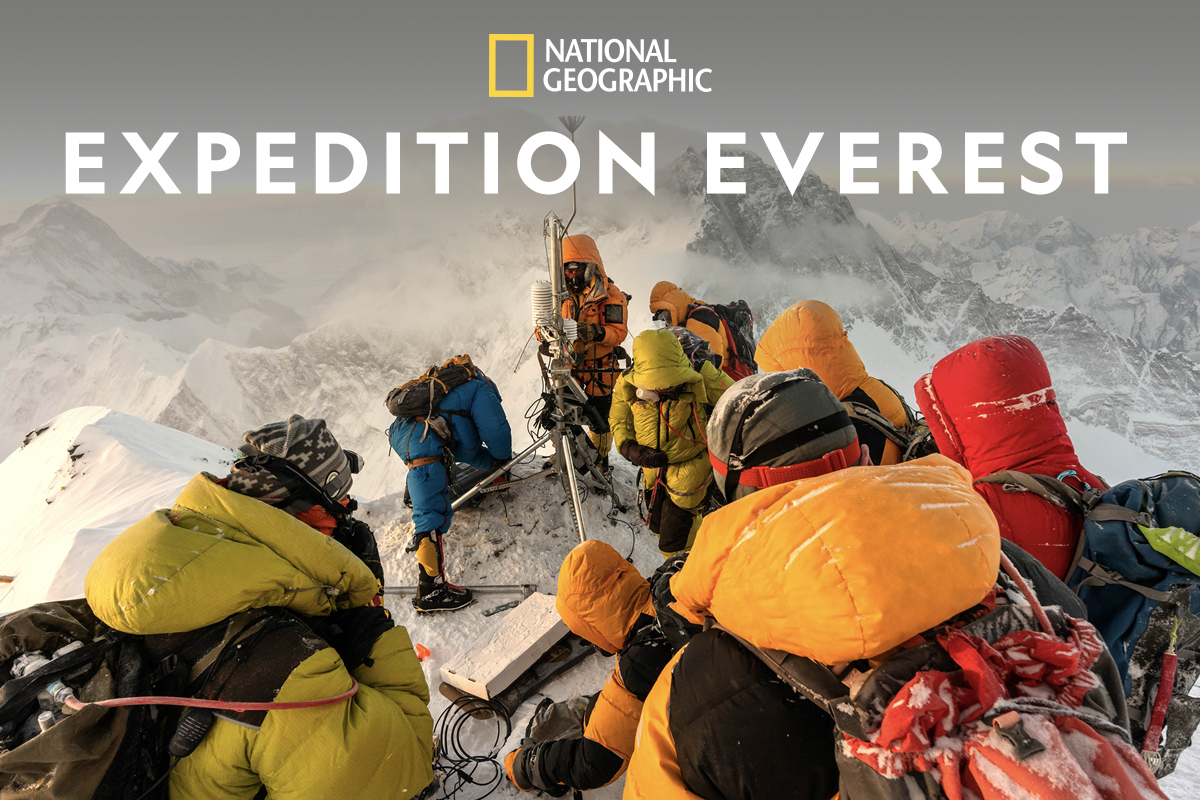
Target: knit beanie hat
[
  {"x": 775, "y": 427},
  {"x": 305, "y": 444}
]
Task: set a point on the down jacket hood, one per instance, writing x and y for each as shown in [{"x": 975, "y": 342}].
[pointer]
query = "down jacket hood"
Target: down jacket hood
[
  {"x": 990, "y": 407},
  {"x": 667, "y": 295},
  {"x": 601, "y": 595},
  {"x": 213, "y": 554},
  {"x": 583, "y": 248},
  {"x": 810, "y": 335},
  {"x": 847, "y": 565},
  {"x": 659, "y": 362}
]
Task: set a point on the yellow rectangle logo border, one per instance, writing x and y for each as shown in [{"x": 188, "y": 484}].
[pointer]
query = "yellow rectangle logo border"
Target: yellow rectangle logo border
[{"x": 529, "y": 78}]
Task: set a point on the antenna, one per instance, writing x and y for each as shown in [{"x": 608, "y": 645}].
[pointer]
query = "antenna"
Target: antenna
[{"x": 571, "y": 124}]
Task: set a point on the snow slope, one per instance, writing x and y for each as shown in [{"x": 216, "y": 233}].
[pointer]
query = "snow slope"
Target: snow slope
[{"x": 77, "y": 482}]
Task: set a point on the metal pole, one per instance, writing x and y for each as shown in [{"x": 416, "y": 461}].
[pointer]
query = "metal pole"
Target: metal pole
[
  {"x": 498, "y": 471},
  {"x": 571, "y": 124},
  {"x": 525, "y": 589},
  {"x": 573, "y": 486}
]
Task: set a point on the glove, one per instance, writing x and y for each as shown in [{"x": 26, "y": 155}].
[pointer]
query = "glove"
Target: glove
[
  {"x": 510, "y": 769},
  {"x": 522, "y": 770},
  {"x": 353, "y": 632},
  {"x": 359, "y": 539},
  {"x": 591, "y": 333},
  {"x": 642, "y": 456}
]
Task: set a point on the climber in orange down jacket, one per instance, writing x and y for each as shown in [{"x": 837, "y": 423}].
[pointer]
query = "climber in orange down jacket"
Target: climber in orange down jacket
[
  {"x": 603, "y": 599},
  {"x": 601, "y": 311},
  {"x": 810, "y": 334}
]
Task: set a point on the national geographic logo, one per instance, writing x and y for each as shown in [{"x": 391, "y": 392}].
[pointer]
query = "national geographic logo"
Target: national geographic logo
[
  {"x": 507, "y": 38},
  {"x": 512, "y": 73}
]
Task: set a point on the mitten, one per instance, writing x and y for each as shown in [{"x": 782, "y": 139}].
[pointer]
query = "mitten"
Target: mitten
[{"x": 641, "y": 455}]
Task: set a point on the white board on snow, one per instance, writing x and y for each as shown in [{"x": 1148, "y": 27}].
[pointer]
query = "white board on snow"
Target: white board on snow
[{"x": 499, "y": 655}]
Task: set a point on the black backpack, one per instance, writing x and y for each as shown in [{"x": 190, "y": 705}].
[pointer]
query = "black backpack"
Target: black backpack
[
  {"x": 420, "y": 398},
  {"x": 97, "y": 752},
  {"x": 870, "y": 771},
  {"x": 914, "y": 440}
]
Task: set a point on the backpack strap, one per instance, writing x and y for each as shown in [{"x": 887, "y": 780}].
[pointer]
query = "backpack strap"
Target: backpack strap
[
  {"x": 1100, "y": 575},
  {"x": 865, "y": 413},
  {"x": 1087, "y": 503},
  {"x": 806, "y": 677},
  {"x": 1051, "y": 490},
  {"x": 912, "y": 416}
]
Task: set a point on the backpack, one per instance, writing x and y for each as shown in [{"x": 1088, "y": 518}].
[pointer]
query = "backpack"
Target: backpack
[
  {"x": 1136, "y": 570},
  {"x": 97, "y": 752},
  {"x": 737, "y": 321},
  {"x": 101, "y": 753},
  {"x": 999, "y": 701},
  {"x": 695, "y": 347},
  {"x": 915, "y": 440},
  {"x": 419, "y": 398}
]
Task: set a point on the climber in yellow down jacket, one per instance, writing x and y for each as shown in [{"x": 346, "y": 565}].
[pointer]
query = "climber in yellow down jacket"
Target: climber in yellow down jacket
[
  {"x": 297, "y": 604},
  {"x": 659, "y": 413}
]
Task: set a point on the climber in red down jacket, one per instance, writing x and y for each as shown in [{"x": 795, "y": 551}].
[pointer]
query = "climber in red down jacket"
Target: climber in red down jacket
[{"x": 991, "y": 407}]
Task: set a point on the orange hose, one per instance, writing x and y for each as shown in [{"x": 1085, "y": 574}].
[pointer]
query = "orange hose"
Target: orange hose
[{"x": 224, "y": 705}]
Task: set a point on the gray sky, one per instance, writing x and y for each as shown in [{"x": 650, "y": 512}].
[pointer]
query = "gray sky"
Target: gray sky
[{"x": 367, "y": 68}]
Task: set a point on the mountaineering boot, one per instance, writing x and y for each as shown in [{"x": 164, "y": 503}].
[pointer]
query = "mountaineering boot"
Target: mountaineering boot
[
  {"x": 434, "y": 593},
  {"x": 441, "y": 596}
]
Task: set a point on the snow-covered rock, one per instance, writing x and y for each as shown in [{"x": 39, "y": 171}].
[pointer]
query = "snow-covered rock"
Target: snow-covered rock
[{"x": 77, "y": 482}]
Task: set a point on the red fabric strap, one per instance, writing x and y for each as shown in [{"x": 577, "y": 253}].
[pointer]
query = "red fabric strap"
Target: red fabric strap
[{"x": 762, "y": 477}]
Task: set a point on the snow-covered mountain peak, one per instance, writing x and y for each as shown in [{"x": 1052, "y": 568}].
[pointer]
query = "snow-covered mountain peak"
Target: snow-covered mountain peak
[{"x": 1059, "y": 233}]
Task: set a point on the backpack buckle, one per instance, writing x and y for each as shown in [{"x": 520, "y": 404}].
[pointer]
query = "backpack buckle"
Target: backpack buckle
[{"x": 1011, "y": 729}]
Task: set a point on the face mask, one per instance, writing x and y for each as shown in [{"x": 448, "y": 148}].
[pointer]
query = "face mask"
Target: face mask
[
  {"x": 576, "y": 281},
  {"x": 663, "y": 315},
  {"x": 576, "y": 274}
]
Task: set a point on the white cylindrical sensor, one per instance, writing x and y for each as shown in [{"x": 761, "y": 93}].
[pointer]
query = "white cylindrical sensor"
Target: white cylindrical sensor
[
  {"x": 570, "y": 330},
  {"x": 542, "y": 302}
]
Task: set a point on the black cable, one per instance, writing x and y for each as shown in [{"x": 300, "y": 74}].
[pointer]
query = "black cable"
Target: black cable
[
  {"x": 455, "y": 767},
  {"x": 614, "y": 519},
  {"x": 158, "y": 782},
  {"x": 523, "y": 347}
]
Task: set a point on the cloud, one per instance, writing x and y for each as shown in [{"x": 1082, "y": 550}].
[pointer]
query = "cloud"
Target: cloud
[{"x": 1174, "y": 182}]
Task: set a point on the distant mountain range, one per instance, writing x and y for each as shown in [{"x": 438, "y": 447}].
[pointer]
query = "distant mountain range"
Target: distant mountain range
[
  {"x": 86, "y": 320},
  {"x": 1143, "y": 285}
]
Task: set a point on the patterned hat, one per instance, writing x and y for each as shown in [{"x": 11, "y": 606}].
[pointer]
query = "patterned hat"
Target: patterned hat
[{"x": 305, "y": 444}]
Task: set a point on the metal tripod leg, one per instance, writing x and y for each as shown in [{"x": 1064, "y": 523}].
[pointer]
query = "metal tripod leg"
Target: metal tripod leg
[
  {"x": 497, "y": 472},
  {"x": 566, "y": 466},
  {"x": 524, "y": 589}
]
